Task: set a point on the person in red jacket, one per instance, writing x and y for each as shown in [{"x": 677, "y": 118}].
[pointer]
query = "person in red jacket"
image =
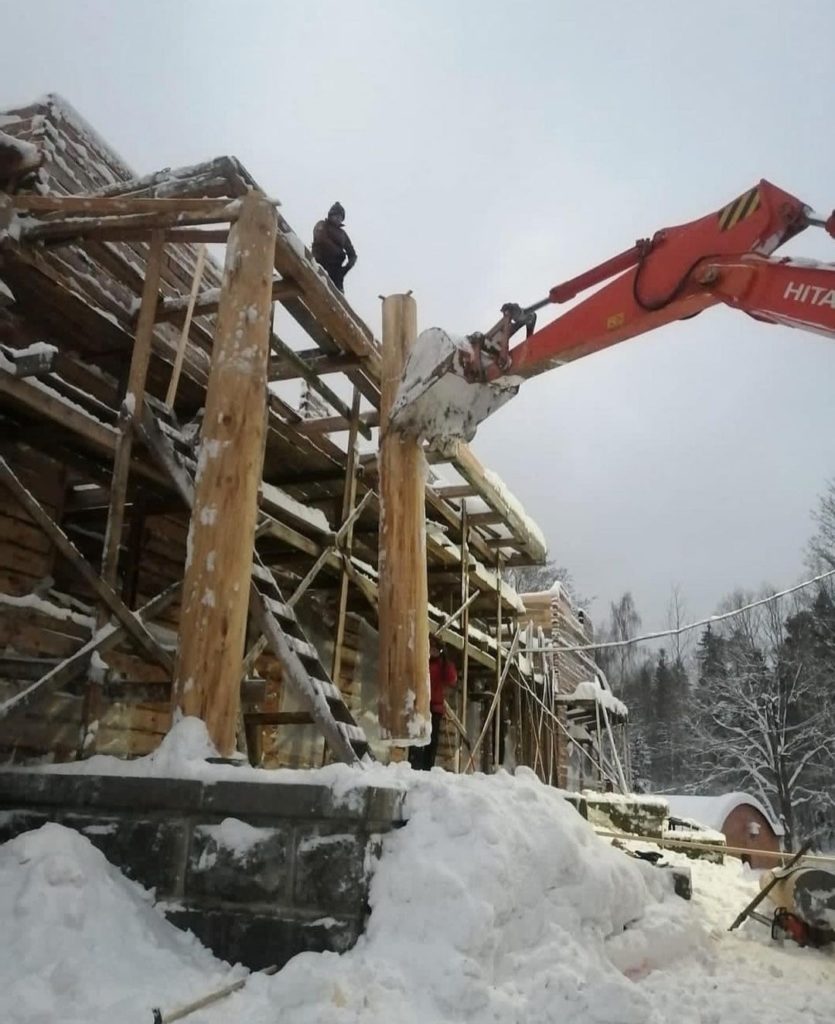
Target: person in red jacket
[{"x": 442, "y": 676}]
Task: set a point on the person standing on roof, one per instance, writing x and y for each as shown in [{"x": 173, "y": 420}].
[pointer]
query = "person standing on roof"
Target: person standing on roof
[
  {"x": 332, "y": 246},
  {"x": 442, "y": 676}
]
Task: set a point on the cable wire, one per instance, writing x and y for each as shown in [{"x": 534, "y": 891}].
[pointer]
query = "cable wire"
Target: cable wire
[{"x": 660, "y": 634}]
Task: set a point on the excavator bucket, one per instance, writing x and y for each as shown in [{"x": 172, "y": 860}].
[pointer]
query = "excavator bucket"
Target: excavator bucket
[{"x": 436, "y": 400}]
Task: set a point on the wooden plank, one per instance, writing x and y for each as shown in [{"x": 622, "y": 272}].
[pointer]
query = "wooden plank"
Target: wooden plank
[
  {"x": 216, "y": 587},
  {"x": 403, "y": 681},
  {"x": 134, "y": 396},
  {"x": 65, "y": 546},
  {"x": 456, "y": 491},
  {"x": 181, "y": 344},
  {"x": 349, "y": 495},
  {"x": 335, "y": 424},
  {"x": 485, "y": 518}
]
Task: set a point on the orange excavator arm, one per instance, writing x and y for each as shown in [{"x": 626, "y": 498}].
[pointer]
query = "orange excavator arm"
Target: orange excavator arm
[
  {"x": 724, "y": 257},
  {"x": 683, "y": 270}
]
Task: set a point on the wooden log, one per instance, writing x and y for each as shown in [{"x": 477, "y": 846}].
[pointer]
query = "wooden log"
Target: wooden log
[
  {"x": 106, "y": 206},
  {"x": 221, "y": 535},
  {"x": 402, "y": 587},
  {"x": 71, "y": 229}
]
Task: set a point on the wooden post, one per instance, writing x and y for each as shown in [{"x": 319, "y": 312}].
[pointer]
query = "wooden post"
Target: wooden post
[
  {"x": 403, "y": 587},
  {"x": 349, "y": 495},
  {"x": 219, "y": 563},
  {"x": 497, "y": 732},
  {"x": 465, "y": 619}
]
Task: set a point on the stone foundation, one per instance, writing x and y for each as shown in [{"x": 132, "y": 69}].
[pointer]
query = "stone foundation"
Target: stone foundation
[{"x": 290, "y": 872}]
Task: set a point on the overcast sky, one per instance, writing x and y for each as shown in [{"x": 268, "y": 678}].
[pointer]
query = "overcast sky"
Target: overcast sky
[{"x": 485, "y": 151}]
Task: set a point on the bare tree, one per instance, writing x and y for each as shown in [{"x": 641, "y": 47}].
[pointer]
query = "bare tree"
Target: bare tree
[
  {"x": 821, "y": 550},
  {"x": 760, "y": 724},
  {"x": 680, "y": 644},
  {"x": 624, "y": 624}
]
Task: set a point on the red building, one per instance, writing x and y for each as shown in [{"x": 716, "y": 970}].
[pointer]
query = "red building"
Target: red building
[{"x": 743, "y": 820}]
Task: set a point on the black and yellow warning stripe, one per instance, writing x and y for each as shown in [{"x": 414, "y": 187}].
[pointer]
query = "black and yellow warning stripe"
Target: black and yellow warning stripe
[{"x": 739, "y": 209}]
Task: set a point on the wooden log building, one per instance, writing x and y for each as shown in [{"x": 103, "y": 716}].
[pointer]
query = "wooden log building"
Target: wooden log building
[{"x": 149, "y": 560}]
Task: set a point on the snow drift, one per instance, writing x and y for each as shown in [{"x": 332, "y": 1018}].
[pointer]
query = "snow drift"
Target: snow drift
[
  {"x": 83, "y": 944},
  {"x": 498, "y": 903}
]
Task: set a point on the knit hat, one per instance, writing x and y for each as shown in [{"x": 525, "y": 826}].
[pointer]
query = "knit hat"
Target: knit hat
[{"x": 338, "y": 209}]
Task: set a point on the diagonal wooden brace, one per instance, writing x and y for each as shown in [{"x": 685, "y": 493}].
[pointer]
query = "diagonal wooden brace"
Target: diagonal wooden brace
[{"x": 133, "y": 626}]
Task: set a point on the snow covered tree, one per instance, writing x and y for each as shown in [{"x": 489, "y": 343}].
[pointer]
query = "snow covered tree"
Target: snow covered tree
[
  {"x": 760, "y": 722},
  {"x": 821, "y": 550}
]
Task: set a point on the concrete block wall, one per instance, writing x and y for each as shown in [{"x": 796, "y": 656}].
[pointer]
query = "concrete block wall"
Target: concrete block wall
[{"x": 258, "y": 871}]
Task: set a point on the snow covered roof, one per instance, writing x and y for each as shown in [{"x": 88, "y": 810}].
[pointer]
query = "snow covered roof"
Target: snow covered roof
[
  {"x": 591, "y": 689},
  {"x": 713, "y": 811}
]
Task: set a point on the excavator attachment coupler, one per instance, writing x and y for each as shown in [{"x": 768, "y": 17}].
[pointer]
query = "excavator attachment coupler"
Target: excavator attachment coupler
[{"x": 437, "y": 400}]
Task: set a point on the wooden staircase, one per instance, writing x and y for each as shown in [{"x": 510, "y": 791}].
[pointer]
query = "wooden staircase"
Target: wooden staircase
[{"x": 284, "y": 636}]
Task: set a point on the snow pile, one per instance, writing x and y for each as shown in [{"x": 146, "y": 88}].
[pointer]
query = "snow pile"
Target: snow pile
[
  {"x": 185, "y": 749},
  {"x": 83, "y": 944},
  {"x": 496, "y": 902},
  {"x": 26, "y": 155}
]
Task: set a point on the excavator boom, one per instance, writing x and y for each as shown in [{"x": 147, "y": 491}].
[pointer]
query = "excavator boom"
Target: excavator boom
[{"x": 451, "y": 384}]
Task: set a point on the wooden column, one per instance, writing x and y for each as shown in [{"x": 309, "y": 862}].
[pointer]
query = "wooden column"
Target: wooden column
[
  {"x": 403, "y": 589},
  {"x": 219, "y": 563},
  {"x": 349, "y": 495},
  {"x": 464, "y": 681}
]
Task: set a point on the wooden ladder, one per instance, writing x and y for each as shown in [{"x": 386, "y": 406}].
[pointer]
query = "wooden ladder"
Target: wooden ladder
[{"x": 323, "y": 702}]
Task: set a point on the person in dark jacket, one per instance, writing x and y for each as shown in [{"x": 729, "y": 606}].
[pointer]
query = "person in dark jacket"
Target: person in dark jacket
[
  {"x": 442, "y": 676},
  {"x": 332, "y": 247}
]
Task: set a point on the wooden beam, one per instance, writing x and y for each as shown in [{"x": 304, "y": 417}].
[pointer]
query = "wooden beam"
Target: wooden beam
[
  {"x": 107, "y": 206},
  {"x": 71, "y": 229},
  {"x": 312, "y": 379},
  {"x": 216, "y": 588},
  {"x": 485, "y": 518},
  {"x": 138, "y": 633},
  {"x": 286, "y": 367},
  {"x": 174, "y": 310},
  {"x": 456, "y": 491},
  {"x": 335, "y": 424},
  {"x": 47, "y": 406},
  {"x": 403, "y": 594}
]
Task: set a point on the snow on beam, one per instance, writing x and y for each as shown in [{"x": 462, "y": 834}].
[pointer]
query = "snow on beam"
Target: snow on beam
[{"x": 490, "y": 488}]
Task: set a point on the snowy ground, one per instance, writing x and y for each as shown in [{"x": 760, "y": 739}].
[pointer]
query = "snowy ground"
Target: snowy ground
[{"x": 496, "y": 903}]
